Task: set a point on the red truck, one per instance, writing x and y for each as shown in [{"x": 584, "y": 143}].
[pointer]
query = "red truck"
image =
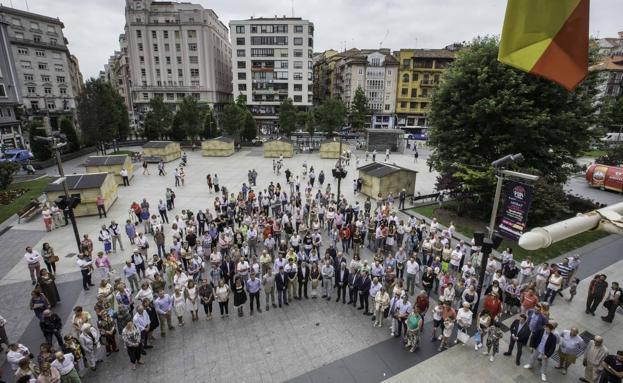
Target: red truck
[{"x": 605, "y": 177}]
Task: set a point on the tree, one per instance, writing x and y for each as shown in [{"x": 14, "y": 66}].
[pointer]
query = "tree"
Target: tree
[
  {"x": 330, "y": 115},
  {"x": 484, "y": 110},
  {"x": 210, "y": 128},
  {"x": 287, "y": 117},
  {"x": 187, "y": 121},
  {"x": 7, "y": 170},
  {"x": 102, "y": 113},
  {"x": 41, "y": 150},
  {"x": 359, "y": 110},
  {"x": 611, "y": 114},
  {"x": 232, "y": 119},
  {"x": 310, "y": 123},
  {"x": 67, "y": 128},
  {"x": 249, "y": 131},
  {"x": 158, "y": 120}
]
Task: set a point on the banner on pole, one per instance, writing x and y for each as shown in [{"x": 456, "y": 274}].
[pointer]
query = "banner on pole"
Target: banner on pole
[{"x": 517, "y": 198}]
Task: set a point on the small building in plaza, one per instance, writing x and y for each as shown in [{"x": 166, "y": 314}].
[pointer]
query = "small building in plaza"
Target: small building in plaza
[
  {"x": 110, "y": 164},
  {"x": 87, "y": 187},
  {"x": 218, "y": 147},
  {"x": 166, "y": 150},
  {"x": 386, "y": 178},
  {"x": 383, "y": 139},
  {"x": 330, "y": 148},
  {"x": 280, "y": 146}
]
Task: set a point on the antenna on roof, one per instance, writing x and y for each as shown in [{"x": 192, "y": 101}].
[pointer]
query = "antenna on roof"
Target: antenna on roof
[
  {"x": 292, "y": 8},
  {"x": 384, "y": 37},
  {"x": 27, "y": 8}
]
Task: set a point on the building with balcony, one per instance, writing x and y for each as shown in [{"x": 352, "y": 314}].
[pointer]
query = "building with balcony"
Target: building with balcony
[
  {"x": 44, "y": 68},
  {"x": 610, "y": 67},
  {"x": 172, "y": 50},
  {"x": 10, "y": 98},
  {"x": 419, "y": 74},
  {"x": 272, "y": 61}
]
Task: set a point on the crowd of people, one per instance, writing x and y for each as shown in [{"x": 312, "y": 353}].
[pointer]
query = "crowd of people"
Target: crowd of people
[{"x": 285, "y": 241}]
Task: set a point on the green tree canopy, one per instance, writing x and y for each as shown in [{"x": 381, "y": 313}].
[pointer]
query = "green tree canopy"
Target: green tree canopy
[
  {"x": 287, "y": 117},
  {"x": 188, "y": 119},
  {"x": 41, "y": 150},
  {"x": 7, "y": 171},
  {"x": 232, "y": 119},
  {"x": 330, "y": 115},
  {"x": 102, "y": 113},
  {"x": 484, "y": 110},
  {"x": 158, "y": 120},
  {"x": 67, "y": 128},
  {"x": 249, "y": 131},
  {"x": 359, "y": 110}
]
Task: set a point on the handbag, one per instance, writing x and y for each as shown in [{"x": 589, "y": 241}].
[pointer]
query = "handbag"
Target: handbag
[
  {"x": 53, "y": 258},
  {"x": 462, "y": 337}
]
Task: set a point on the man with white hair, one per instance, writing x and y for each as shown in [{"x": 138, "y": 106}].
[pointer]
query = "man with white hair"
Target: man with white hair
[
  {"x": 89, "y": 341},
  {"x": 142, "y": 322},
  {"x": 593, "y": 356}
]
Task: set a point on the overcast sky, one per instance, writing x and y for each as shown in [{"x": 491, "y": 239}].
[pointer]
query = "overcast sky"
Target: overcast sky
[{"x": 93, "y": 26}]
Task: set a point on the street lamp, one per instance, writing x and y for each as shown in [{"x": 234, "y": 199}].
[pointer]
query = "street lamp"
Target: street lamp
[
  {"x": 339, "y": 172},
  {"x": 55, "y": 146}
]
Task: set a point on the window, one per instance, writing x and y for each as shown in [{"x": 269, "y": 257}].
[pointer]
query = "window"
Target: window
[
  {"x": 403, "y": 104},
  {"x": 262, "y": 52},
  {"x": 155, "y": 47},
  {"x": 195, "y": 83},
  {"x": 3, "y": 94},
  {"x": 60, "y": 79},
  {"x": 298, "y": 41},
  {"x": 31, "y": 90},
  {"x": 242, "y": 64},
  {"x": 282, "y": 75},
  {"x": 36, "y": 38},
  {"x": 298, "y": 75},
  {"x": 387, "y": 106},
  {"x": 298, "y": 87},
  {"x": 178, "y": 48},
  {"x": 242, "y": 86},
  {"x": 157, "y": 60},
  {"x": 298, "y": 53},
  {"x": 310, "y": 42},
  {"x": 242, "y": 76},
  {"x": 53, "y": 41},
  {"x": 143, "y": 72},
  {"x": 241, "y": 52},
  {"x": 34, "y": 25},
  {"x": 269, "y": 40},
  {"x": 51, "y": 29},
  {"x": 140, "y": 47},
  {"x": 298, "y": 98},
  {"x": 193, "y": 59},
  {"x": 298, "y": 29},
  {"x": 58, "y": 67},
  {"x": 139, "y": 34},
  {"x": 167, "y": 47},
  {"x": 28, "y": 77},
  {"x": 47, "y": 90},
  {"x": 177, "y": 34},
  {"x": 45, "y": 77},
  {"x": 239, "y": 40},
  {"x": 165, "y": 34},
  {"x": 62, "y": 90},
  {"x": 192, "y": 34},
  {"x": 194, "y": 72},
  {"x": 145, "y": 96},
  {"x": 170, "y": 96},
  {"x": 168, "y": 60},
  {"x": 404, "y": 92},
  {"x": 413, "y": 105},
  {"x": 180, "y": 73},
  {"x": 141, "y": 59},
  {"x": 22, "y": 51},
  {"x": 153, "y": 34},
  {"x": 25, "y": 64},
  {"x": 34, "y": 105},
  {"x": 405, "y": 77},
  {"x": 179, "y": 59},
  {"x": 157, "y": 72},
  {"x": 192, "y": 47},
  {"x": 423, "y": 105},
  {"x": 43, "y": 66},
  {"x": 17, "y": 22},
  {"x": 239, "y": 28},
  {"x": 298, "y": 65}
]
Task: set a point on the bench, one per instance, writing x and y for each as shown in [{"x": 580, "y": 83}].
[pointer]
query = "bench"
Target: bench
[{"x": 27, "y": 212}]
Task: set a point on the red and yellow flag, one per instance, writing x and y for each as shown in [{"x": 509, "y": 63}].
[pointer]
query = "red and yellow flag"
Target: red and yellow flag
[{"x": 548, "y": 38}]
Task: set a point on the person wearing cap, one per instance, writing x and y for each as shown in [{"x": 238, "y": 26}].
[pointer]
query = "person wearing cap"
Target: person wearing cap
[
  {"x": 612, "y": 368},
  {"x": 543, "y": 343}
]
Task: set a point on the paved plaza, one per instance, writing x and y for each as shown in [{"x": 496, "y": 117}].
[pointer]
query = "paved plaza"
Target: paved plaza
[{"x": 308, "y": 341}]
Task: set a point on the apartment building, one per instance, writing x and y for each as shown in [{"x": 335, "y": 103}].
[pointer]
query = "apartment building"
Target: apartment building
[
  {"x": 272, "y": 62},
  {"x": 10, "y": 98},
  {"x": 419, "y": 74},
  {"x": 610, "y": 67},
  {"x": 43, "y": 64},
  {"x": 175, "y": 50}
]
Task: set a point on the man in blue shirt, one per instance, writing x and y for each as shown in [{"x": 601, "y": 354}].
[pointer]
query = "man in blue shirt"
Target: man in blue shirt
[
  {"x": 253, "y": 287},
  {"x": 163, "y": 305}
]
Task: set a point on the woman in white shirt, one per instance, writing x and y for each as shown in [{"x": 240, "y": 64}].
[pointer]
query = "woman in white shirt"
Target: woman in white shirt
[
  {"x": 464, "y": 318},
  {"x": 145, "y": 292},
  {"x": 222, "y": 293},
  {"x": 180, "y": 279},
  {"x": 554, "y": 284},
  {"x": 542, "y": 275},
  {"x": 526, "y": 268}
]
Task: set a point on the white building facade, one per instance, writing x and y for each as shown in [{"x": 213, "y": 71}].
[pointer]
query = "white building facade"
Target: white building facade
[
  {"x": 272, "y": 61},
  {"x": 175, "y": 50}
]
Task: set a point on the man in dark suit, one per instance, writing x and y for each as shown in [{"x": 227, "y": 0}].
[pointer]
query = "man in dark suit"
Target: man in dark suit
[
  {"x": 341, "y": 282},
  {"x": 303, "y": 279},
  {"x": 352, "y": 278},
  {"x": 520, "y": 332},
  {"x": 364, "y": 291},
  {"x": 281, "y": 282},
  {"x": 543, "y": 343},
  {"x": 228, "y": 268},
  {"x": 339, "y": 259}
]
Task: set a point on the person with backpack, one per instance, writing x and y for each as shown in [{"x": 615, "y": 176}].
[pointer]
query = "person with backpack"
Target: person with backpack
[{"x": 613, "y": 301}]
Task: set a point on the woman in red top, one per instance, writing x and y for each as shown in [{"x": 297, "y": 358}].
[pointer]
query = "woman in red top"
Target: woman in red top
[
  {"x": 493, "y": 305},
  {"x": 529, "y": 300},
  {"x": 345, "y": 236}
]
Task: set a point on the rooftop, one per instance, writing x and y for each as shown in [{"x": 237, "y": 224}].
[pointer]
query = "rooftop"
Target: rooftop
[
  {"x": 19, "y": 12},
  {"x": 378, "y": 169},
  {"x": 79, "y": 182},
  {"x": 118, "y": 159}
]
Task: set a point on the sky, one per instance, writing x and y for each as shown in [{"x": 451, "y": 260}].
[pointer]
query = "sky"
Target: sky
[{"x": 93, "y": 26}]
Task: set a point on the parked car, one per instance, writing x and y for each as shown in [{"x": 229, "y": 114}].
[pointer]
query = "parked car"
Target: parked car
[{"x": 20, "y": 156}]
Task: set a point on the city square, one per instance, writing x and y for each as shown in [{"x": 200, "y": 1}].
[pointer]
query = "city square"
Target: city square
[{"x": 310, "y": 192}]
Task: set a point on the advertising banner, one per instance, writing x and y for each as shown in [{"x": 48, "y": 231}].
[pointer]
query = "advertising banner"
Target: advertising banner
[{"x": 517, "y": 198}]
